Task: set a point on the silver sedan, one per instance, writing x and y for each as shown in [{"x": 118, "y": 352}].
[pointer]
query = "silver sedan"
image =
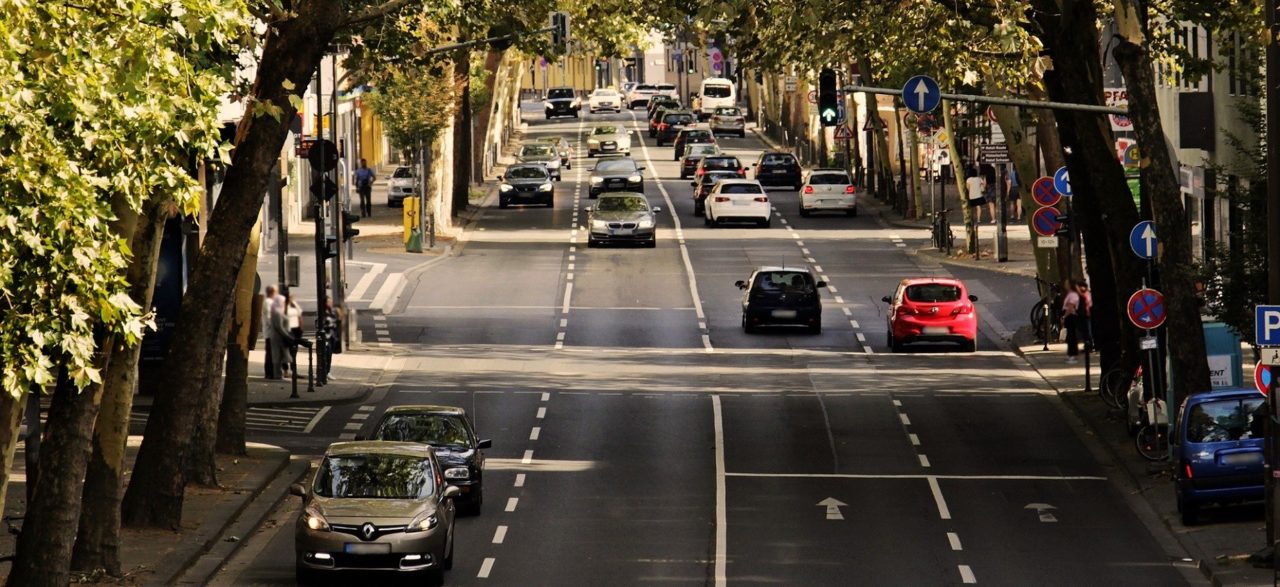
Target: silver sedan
[{"x": 622, "y": 217}]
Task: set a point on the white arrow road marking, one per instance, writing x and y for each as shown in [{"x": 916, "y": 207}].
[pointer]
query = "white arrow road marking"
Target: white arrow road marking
[
  {"x": 833, "y": 506},
  {"x": 1043, "y": 510}
]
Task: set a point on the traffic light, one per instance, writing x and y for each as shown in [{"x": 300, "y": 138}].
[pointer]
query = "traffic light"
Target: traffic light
[
  {"x": 348, "y": 230},
  {"x": 828, "y": 98},
  {"x": 560, "y": 30},
  {"x": 330, "y": 247},
  {"x": 690, "y": 65}
]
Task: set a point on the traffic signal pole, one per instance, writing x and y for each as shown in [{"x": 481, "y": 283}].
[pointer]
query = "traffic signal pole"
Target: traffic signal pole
[
  {"x": 342, "y": 204},
  {"x": 322, "y": 297}
]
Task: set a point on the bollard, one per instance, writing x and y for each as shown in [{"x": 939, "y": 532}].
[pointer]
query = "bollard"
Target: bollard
[
  {"x": 293, "y": 373},
  {"x": 310, "y": 372}
]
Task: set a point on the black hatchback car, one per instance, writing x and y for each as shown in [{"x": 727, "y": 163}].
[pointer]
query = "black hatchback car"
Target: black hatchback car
[
  {"x": 561, "y": 102},
  {"x": 526, "y": 183},
  {"x": 671, "y": 124},
  {"x": 449, "y": 432},
  {"x": 712, "y": 163},
  {"x": 616, "y": 175},
  {"x": 776, "y": 168},
  {"x": 781, "y": 296},
  {"x": 689, "y": 136}
]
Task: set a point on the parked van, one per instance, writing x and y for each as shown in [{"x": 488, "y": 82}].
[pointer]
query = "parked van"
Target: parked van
[
  {"x": 1219, "y": 446},
  {"x": 716, "y": 92}
]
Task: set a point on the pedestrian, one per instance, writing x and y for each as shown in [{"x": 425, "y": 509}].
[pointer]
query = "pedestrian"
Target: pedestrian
[
  {"x": 281, "y": 339},
  {"x": 1071, "y": 319},
  {"x": 1085, "y": 313},
  {"x": 989, "y": 183},
  {"x": 293, "y": 321},
  {"x": 271, "y": 299},
  {"x": 1011, "y": 193},
  {"x": 364, "y": 185},
  {"x": 332, "y": 331},
  {"x": 976, "y": 188}
]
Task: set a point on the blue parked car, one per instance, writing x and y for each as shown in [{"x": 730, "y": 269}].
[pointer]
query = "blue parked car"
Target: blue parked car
[{"x": 1220, "y": 449}]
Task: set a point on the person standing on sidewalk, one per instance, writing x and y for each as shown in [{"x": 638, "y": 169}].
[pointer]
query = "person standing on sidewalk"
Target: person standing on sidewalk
[
  {"x": 989, "y": 189},
  {"x": 364, "y": 185},
  {"x": 1085, "y": 313},
  {"x": 270, "y": 301},
  {"x": 1071, "y": 320},
  {"x": 281, "y": 341},
  {"x": 293, "y": 320},
  {"x": 976, "y": 192},
  {"x": 1012, "y": 196}
]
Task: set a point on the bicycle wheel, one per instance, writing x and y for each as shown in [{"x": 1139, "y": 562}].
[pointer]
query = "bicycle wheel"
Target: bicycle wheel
[
  {"x": 1152, "y": 443},
  {"x": 1113, "y": 387}
]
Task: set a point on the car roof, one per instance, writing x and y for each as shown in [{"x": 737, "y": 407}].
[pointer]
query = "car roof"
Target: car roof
[
  {"x": 777, "y": 153},
  {"x": 720, "y": 156},
  {"x": 923, "y": 280},
  {"x": 426, "y": 409},
  {"x": 626, "y": 194},
  {"x": 766, "y": 268},
  {"x": 740, "y": 181},
  {"x": 527, "y": 166},
  {"x": 829, "y": 170},
  {"x": 1220, "y": 394},
  {"x": 379, "y": 447}
]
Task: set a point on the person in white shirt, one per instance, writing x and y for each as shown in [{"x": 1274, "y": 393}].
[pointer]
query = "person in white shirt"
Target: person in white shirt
[
  {"x": 271, "y": 301},
  {"x": 976, "y": 190}
]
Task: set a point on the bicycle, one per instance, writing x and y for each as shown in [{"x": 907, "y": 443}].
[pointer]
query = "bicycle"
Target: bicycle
[
  {"x": 1117, "y": 385},
  {"x": 943, "y": 238},
  {"x": 1046, "y": 314},
  {"x": 1152, "y": 439}
]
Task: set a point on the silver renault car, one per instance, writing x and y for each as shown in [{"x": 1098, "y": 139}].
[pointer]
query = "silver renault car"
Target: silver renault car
[{"x": 375, "y": 506}]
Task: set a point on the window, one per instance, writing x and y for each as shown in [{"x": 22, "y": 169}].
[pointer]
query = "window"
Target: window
[
  {"x": 778, "y": 159},
  {"x": 622, "y": 204},
  {"x": 829, "y": 179},
  {"x": 603, "y": 93},
  {"x": 605, "y": 130},
  {"x": 678, "y": 119},
  {"x": 740, "y": 188},
  {"x": 527, "y": 172},
  {"x": 721, "y": 163},
  {"x": 535, "y": 150},
  {"x": 728, "y": 112},
  {"x": 616, "y": 165},
  {"x": 375, "y": 476},
  {"x": 717, "y": 91},
  {"x": 666, "y": 87},
  {"x": 933, "y": 293},
  {"x": 402, "y": 172},
  {"x": 645, "y": 88},
  {"x": 560, "y": 93},
  {"x": 433, "y": 429},
  {"x": 1227, "y": 420},
  {"x": 780, "y": 281}
]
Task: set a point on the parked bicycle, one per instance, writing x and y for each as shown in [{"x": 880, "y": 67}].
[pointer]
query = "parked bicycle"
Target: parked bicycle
[
  {"x": 1046, "y": 314},
  {"x": 1152, "y": 439},
  {"x": 943, "y": 238},
  {"x": 1118, "y": 384}
]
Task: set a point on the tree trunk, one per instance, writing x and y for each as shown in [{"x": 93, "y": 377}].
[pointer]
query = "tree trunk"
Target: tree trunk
[
  {"x": 11, "y": 410},
  {"x": 291, "y": 52},
  {"x": 1103, "y": 209},
  {"x": 235, "y": 391},
  {"x": 43, "y": 555},
  {"x": 492, "y": 62},
  {"x": 98, "y": 537},
  {"x": 462, "y": 133},
  {"x": 970, "y": 229},
  {"x": 1190, "y": 368}
]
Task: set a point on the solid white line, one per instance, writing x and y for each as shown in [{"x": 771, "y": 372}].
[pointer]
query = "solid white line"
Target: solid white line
[
  {"x": 568, "y": 291},
  {"x": 533, "y": 434},
  {"x": 905, "y": 420},
  {"x": 485, "y": 568},
  {"x": 366, "y": 281},
  {"x": 915, "y": 440},
  {"x": 921, "y": 476},
  {"x": 511, "y": 504},
  {"x": 943, "y": 512},
  {"x": 966, "y": 574},
  {"x": 500, "y": 534},
  {"x": 315, "y": 420},
  {"x": 542, "y": 413},
  {"x": 924, "y": 461},
  {"x": 721, "y": 511},
  {"x": 388, "y": 287},
  {"x": 519, "y": 479},
  {"x": 528, "y": 457},
  {"x": 954, "y": 539},
  {"x": 546, "y": 396}
]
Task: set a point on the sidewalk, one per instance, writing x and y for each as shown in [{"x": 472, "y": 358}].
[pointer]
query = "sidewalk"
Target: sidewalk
[{"x": 1225, "y": 537}]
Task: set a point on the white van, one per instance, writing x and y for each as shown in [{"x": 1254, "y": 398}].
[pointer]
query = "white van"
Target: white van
[{"x": 716, "y": 92}]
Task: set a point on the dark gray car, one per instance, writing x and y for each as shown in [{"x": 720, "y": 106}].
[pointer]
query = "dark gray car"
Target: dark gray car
[
  {"x": 542, "y": 154},
  {"x": 526, "y": 183},
  {"x": 616, "y": 175},
  {"x": 623, "y": 217}
]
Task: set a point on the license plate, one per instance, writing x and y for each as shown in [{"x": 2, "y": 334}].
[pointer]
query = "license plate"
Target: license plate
[
  {"x": 356, "y": 548},
  {"x": 937, "y": 330},
  {"x": 784, "y": 313},
  {"x": 741, "y": 203},
  {"x": 779, "y": 171},
  {"x": 619, "y": 232},
  {"x": 1243, "y": 458}
]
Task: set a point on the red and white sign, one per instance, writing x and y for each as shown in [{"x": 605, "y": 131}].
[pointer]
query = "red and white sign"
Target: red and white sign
[
  {"x": 1262, "y": 377},
  {"x": 813, "y": 96},
  {"x": 1118, "y": 97},
  {"x": 1146, "y": 308},
  {"x": 843, "y": 133}
]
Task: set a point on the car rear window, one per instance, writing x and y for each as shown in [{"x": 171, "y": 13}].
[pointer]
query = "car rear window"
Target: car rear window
[
  {"x": 727, "y": 112},
  {"x": 779, "y": 159},
  {"x": 721, "y": 162},
  {"x": 933, "y": 293},
  {"x": 777, "y": 281},
  {"x": 1226, "y": 420},
  {"x": 696, "y": 134},
  {"x": 678, "y": 119},
  {"x": 741, "y": 188},
  {"x": 666, "y": 87},
  {"x": 557, "y": 93},
  {"x": 829, "y": 179},
  {"x": 644, "y": 87},
  {"x": 717, "y": 91}
]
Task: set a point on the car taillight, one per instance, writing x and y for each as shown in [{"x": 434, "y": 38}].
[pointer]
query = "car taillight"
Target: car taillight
[
  {"x": 739, "y": 119},
  {"x": 848, "y": 189},
  {"x": 721, "y": 199},
  {"x": 808, "y": 189},
  {"x": 701, "y": 171},
  {"x": 1187, "y": 467},
  {"x": 662, "y": 126},
  {"x": 711, "y": 140},
  {"x": 761, "y": 199},
  {"x": 965, "y": 309}
]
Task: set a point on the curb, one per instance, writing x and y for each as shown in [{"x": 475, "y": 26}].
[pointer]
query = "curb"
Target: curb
[
  {"x": 367, "y": 386},
  {"x": 189, "y": 552}
]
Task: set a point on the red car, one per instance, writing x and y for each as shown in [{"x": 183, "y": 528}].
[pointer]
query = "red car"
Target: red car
[{"x": 932, "y": 309}]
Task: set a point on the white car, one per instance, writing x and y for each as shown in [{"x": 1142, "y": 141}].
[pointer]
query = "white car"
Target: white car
[
  {"x": 668, "y": 90},
  {"x": 828, "y": 190},
  {"x": 738, "y": 200},
  {"x": 402, "y": 185},
  {"x": 640, "y": 95},
  {"x": 604, "y": 99},
  {"x": 609, "y": 139}
]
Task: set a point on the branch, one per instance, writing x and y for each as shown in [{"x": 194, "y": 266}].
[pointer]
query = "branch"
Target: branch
[{"x": 376, "y": 12}]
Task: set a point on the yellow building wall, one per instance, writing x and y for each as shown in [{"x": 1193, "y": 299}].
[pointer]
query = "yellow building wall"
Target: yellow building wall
[{"x": 371, "y": 139}]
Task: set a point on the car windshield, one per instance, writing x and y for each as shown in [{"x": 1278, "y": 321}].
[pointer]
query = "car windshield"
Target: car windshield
[
  {"x": 933, "y": 293},
  {"x": 559, "y": 93},
  {"x": 718, "y": 177},
  {"x": 553, "y": 141},
  {"x": 727, "y": 112},
  {"x": 616, "y": 165},
  {"x": 434, "y": 429},
  {"x": 529, "y": 172},
  {"x": 703, "y": 150},
  {"x": 829, "y": 179},
  {"x": 721, "y": 162},
  {"x": 678, "y": 119},
  {"x": 717, "y": 91},
  {"x": 741, "y": 188},
  {"x": 402, "y": 172},
  {"x": 375, "y": 476},
  {"x": 779, "y": 281},
  {"x": 536, "y": 150},
  {"x": 622, "y": 204},
  {"x": 605, "y": 130},
  {"x": 778, "y": 159},
  {"x": 697, "y": 135},
  {"x": 1225, "y": 420}
]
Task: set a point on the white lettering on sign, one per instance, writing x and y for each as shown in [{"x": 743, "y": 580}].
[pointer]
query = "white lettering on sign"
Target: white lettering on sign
[
  {"x": 1270, "y": 323},
  {"x": 1220, "y": 371}
]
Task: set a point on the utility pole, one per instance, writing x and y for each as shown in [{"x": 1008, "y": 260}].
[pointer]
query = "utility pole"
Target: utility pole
[
  {"x": 321, "y": 246},
  {"x": 342, "y": 201}
]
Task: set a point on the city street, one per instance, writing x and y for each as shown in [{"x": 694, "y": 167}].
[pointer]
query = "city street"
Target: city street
[{"x": 640, "y": 436}]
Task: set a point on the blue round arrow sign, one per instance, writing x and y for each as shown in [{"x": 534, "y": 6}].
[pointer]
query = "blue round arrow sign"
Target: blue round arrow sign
[
  {"x": 1062, "y": 182},
  {"x": 921, "y": 94},
  {"x": 1143, "y": 241}
]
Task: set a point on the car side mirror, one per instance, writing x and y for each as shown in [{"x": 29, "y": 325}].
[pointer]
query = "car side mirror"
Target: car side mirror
[
  {"x": 486, "y": 443},
  {"x": 741, "y": 284},
  {"x": 973, "y": 298},
  {"x": 886, "y": 300},
  {"x": 657, "y": 209},
  {"x": 640, "y": 168},
  {"x": 587, "y": 209},
  {"x": 820, "y": 284},
  {"x": 298, "y": 490},
  {"x": 451, "y": 492}
]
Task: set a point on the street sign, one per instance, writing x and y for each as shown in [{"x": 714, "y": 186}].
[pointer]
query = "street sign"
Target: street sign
[
  {"x": 994, "y": 153},
  {"x": 1062, "y": 182},
  {"x": 1047, "y": 242},
  {"x": 1267, "y": 325},
  {"x": 1270, "y": 356},
  {"x": 1043, "y": 193},
  {"x": 942, "y": 137},
  {"x": 323, "y": 156},
  {"x": 790, "y": 84},
  {"x": 873, "y": 123},
  {"x": 1146, "y": 308},
  {"x": 1262, "y": 377},
  {"x": 1148, "y": 343},
  {"x": 843, "y": 133},
  {"x": 1045, "y": 221},
  {"x": 813, "y": 96},
  {"x": 921, "y": 94},
  {"x": 1142, "y": 239}
]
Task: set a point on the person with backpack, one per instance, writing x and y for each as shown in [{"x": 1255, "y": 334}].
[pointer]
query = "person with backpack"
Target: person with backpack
[{"x": 364, "y": 185}]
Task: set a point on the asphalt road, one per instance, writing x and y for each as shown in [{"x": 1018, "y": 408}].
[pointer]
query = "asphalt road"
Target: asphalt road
[{"x": 639, "y": 436}]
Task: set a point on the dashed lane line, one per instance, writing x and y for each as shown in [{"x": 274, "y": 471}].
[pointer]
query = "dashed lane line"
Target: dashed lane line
[
  {"x": 500, "y": 535},
  {"x": 485, "y": 568}
]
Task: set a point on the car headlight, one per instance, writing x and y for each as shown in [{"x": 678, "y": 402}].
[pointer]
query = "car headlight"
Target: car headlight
[
  {"x": 599, "y": 225},
  {"x": 506, "y": 187},
  {"x": 314, "y": 520},
  {"x": 553, "y": 163},
  {"x": 423, "y": 523},
  {"x": 546, "y": 187},
  {"x": 635, "y": 178},
  {"x": 593, "y": 142},
  {"x": 597, "y": 180},
  {"x": 646, "y": 222},
  {"x": 457, "y": 473}
]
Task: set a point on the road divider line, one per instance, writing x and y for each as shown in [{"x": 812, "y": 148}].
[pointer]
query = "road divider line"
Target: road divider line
[
  {"x": 527, "y": 458},
  {"x": 924, "y": 461},
  {"x": 519, "y": 479},
  {"x": 542, "y": 413},
  {"x": 721, "y": 509},
  {"x": 915, "y": 440},
  {"x": 905, "y": 420},
  {"x": 384, "y": 293},
  {"x": 315, "y": 420},
  {"x": 954, "y": 539},
  {"x": 499, "y": 535},
  {"x": 535, "y": 433},
  {"x": 512, "y": 502},
  {"x": 943, "y": 511},
  {"x": 568, "y": 293},
  {"x": 485, "y": 568},
  {"x": 966, "y": 574},
  {"x": 855, "y": 324},
  {"x": 546, "y": 396}
]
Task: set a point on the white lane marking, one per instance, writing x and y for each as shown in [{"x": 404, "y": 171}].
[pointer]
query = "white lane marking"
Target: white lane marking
[
  {"x": 903, "y": 245},
  {"x": 905, "y": 420},
  {"x": 564, "y": 322},
  {"x": 943, "y": 512},
  {"x": 806, "y": 252},
  {"x": 360, "y": 416},
  {"x": 527, "y": 458},
  {"x": 684, "y": 249},
  {"x": 915, "y": 440},
  {"x": 388, "y": 287},
  {"x": 366, "y": 281},
  {"x": 500, "y": 534},
  {"x": 867, "y": 350},
  {"x": 817, "y": 268},
  {"x": 519, "y": 479},
  {"x": 706, "y": 344},
  {"x": 810, "y": 260},
  {"x": 365, "y": 408},
  {"x": 721, "y": 512},
  {"x": 830, "y": 288},
  {"x": 861, "y": 337},
  {"x": 924, "y": 461},
  {"x": 855, "y": 324},
  {"x": 847, "y": 311},
  {"x": 897, "y": 403},
  {"x": 801, "y": 243},
  {"x": 535, "y": 433},
  {"x": 569, "y": 277},
  {"x": 546, "y": 396},
  {"x": 966, "y": 574},
  {"x": 315, "y": 420},
  {"x": 352, "y": 426},
  {"x": 568, "y": 292},
  {"x": 921, "y": 476},
  {"x": 571, "y": 265},
  {"x": 559, "y": 337},
  {"x": 542, "y": 413},
  {"x": 347, "y": 436},
  {"x": 512, "y": 502},
  {"x": 485, "y": 568},
  {"x": 382, "y": 332},
  {"x": 954, "y": 539},
  {"x": 839, "y": 300},
  {"x": 559, "y": 345}
]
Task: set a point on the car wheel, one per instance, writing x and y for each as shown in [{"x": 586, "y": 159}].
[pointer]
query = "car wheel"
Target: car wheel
[
  {"x": 502, "y": 202},
  {"x": 969, "y": 346},
  {"x": 894, "y": 344},
  {"x": 305, "y": 576},
  {"x": 804, "y": 213},
  {"x": 747, "y": 327},
  {"x": 698, "y": 211},
  {"x": 706, "y": 220},
  {"x": 590, "y": 154},
  {"x": 651, "y": 243},
  {"x": 853, "y": 212},
  {"x": 592, "y": 243},
  {"x": 550, "y": 202},
  {"x": 447, "y": 564},
  {"x": 815, "y": 328},
  {"x": 766, "y": 223},
  {"x": 548, "y": 117},
  {"x": 575, "y": 114}
]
